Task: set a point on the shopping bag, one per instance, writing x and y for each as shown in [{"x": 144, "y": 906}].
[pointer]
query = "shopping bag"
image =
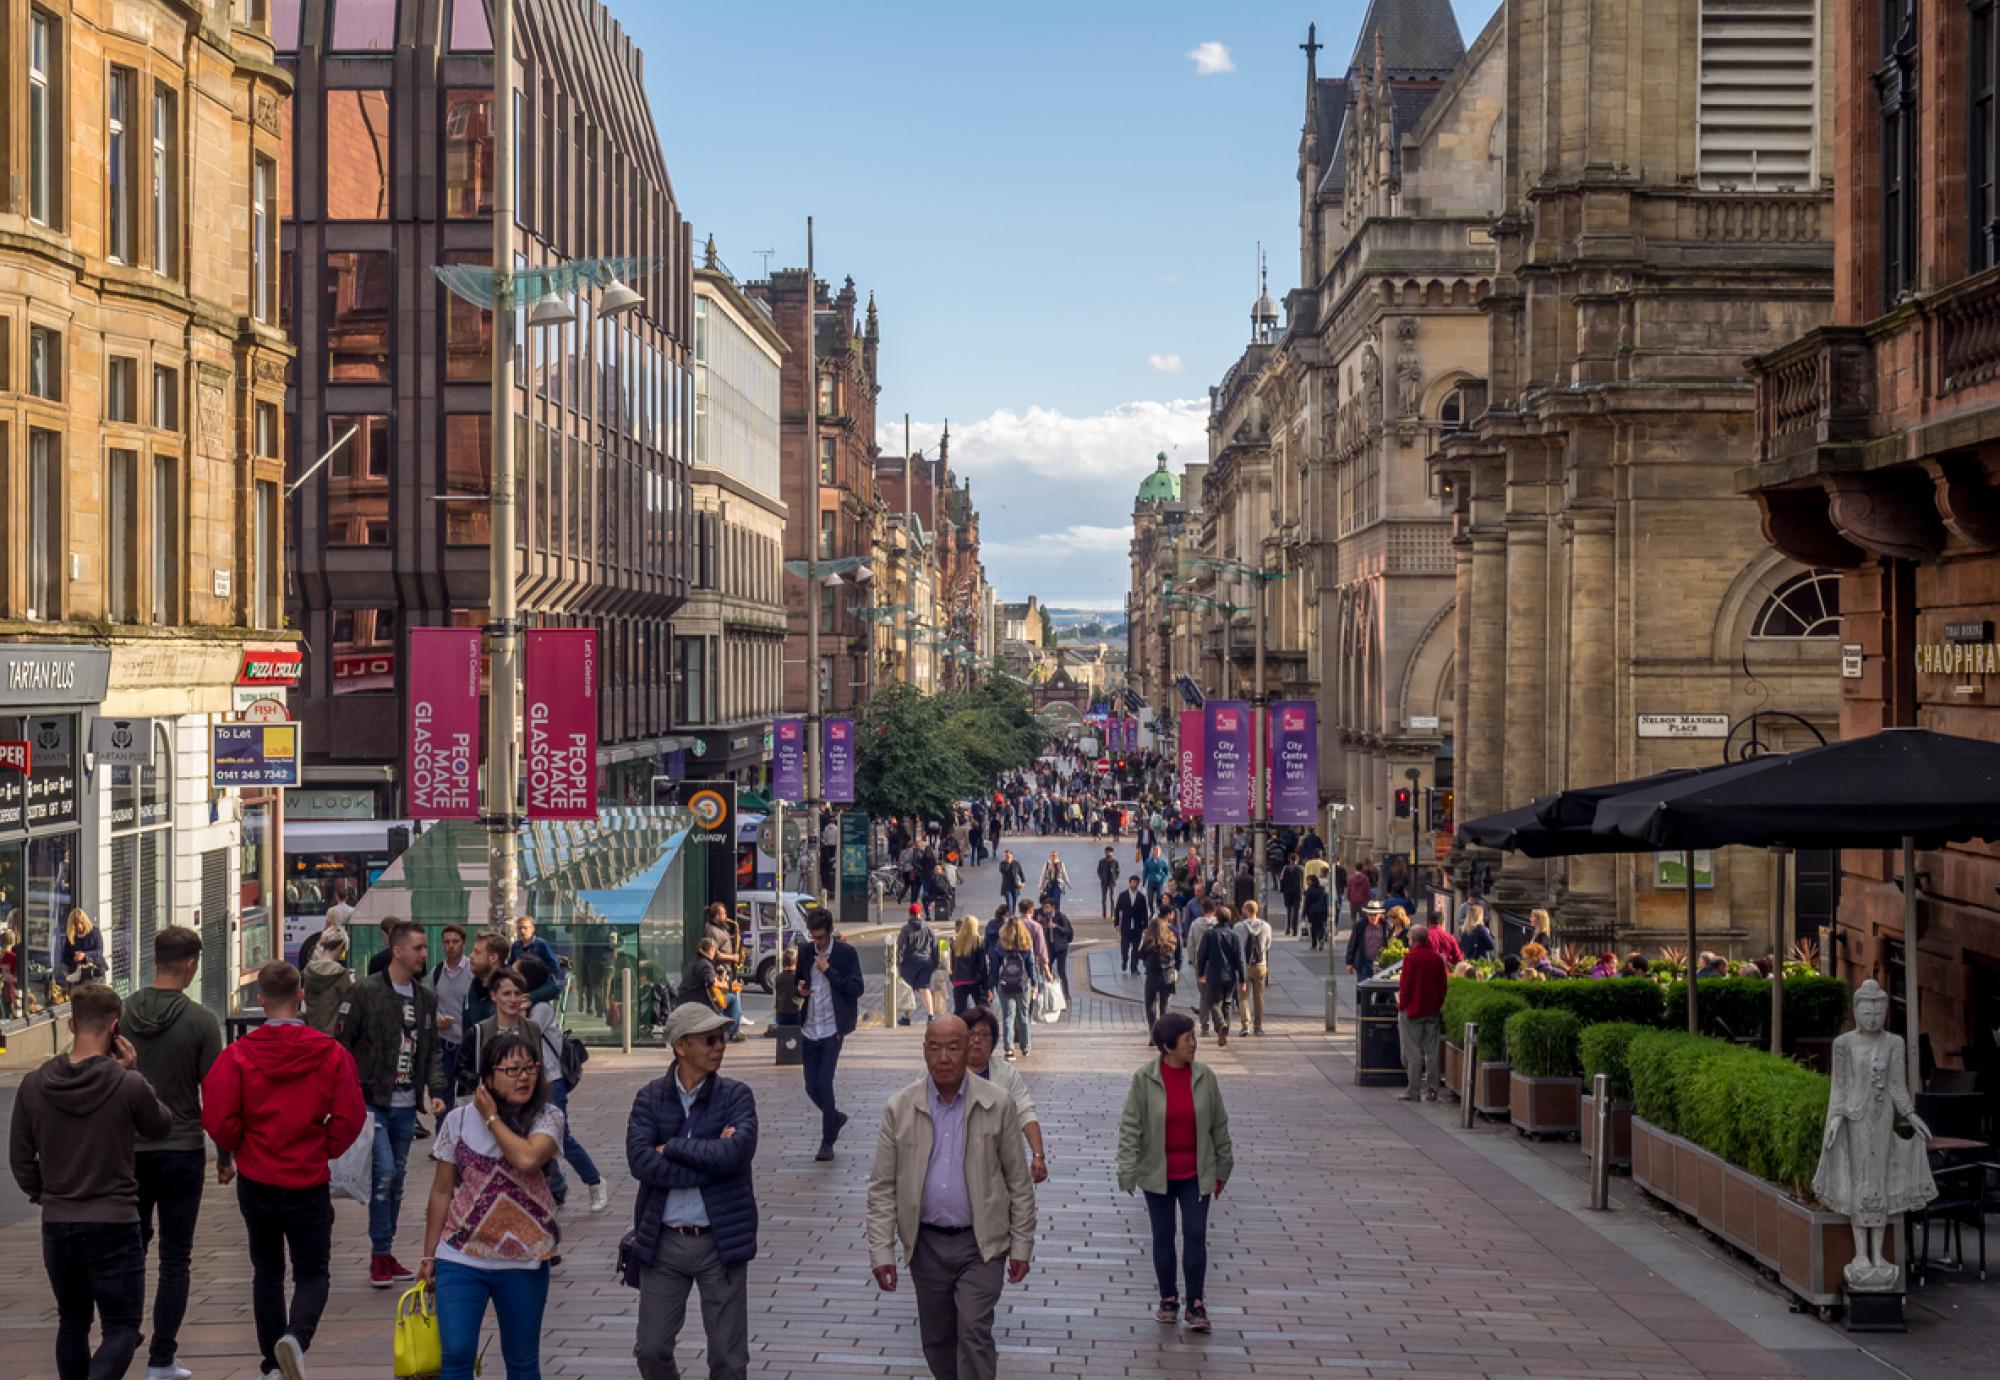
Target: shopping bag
[
  {"x": 353, "y": 1172},
  {"x": 419, "y": 1348},
  {"x": 1049, "y": 1003}
]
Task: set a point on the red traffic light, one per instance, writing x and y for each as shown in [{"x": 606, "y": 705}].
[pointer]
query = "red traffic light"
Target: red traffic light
[{"x": 1402, "y": 802}]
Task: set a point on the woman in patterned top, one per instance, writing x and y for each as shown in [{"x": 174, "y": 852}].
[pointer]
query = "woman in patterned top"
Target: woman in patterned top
[{"x": 490, "y": 1232}]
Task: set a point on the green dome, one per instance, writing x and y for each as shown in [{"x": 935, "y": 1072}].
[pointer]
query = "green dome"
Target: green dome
[{"x": 1160, "y": 486}]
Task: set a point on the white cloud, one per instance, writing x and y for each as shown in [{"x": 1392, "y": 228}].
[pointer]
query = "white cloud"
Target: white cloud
[
  {"x": 1166, "y": 364},
  {"x": 1116, "y": 444},
  {"x": 1210, "y": 58},
  {"x": 1170, "y": 280},
  {"x": 1078, "y": 538}
]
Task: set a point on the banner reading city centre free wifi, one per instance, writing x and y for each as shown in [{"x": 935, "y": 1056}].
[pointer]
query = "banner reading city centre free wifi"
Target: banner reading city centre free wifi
[
  {"x": 444, "y": 723},
  {"x": 560, "y": 718},
  {"x": 1226, "y": 770}
]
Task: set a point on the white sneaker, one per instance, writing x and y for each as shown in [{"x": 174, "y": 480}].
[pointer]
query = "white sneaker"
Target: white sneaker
[
  {"x": 176, "y": 1371},
  {"x": 291, "y": 1358},
  {"x": 600, "y": 1196}
]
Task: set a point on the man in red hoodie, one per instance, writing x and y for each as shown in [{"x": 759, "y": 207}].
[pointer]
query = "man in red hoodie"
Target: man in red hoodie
[
  {"x": 1419, "y": 1014},
  {"x": 285, "y": 1100}
]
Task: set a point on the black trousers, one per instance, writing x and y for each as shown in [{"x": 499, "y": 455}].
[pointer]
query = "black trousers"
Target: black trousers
[
  {"x": 1184, "y": 1195},
  {"x": 1159, "y": 996},
  {"x": 299, "y": 1220},
  {"x": 100, "y": 1268},
  {"x": 822, "y": 1059},
  {"x": 1128, "y": 951},
  {"x": 169, "y": 1187},
  {"x": 1292, "y": 907}
]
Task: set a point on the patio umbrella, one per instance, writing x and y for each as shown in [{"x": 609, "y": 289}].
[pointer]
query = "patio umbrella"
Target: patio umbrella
[{"x": 1903, "y": 786}]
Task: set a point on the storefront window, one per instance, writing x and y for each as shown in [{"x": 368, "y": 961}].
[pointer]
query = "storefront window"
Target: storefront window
[
  {"x": 259, "y": 883},
  {"x": 141, "y": 861},
  {"x": 13, "y": 900},
  {"x": 51, "y": 894}
]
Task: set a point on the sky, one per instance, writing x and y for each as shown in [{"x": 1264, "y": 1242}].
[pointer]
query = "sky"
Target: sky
[{"x": 1057, "y": 207}]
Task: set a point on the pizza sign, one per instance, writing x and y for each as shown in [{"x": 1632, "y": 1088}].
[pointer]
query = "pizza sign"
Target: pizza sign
[{"x": 18, "y": 755}]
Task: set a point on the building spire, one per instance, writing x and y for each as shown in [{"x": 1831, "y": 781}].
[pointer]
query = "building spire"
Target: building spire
[{"x": 708, "y": 259}]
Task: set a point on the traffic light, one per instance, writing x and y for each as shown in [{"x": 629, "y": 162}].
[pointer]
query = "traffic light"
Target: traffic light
[
  {"x": 1440, "y": 810},
  {"x": 1402, "y": 802}
]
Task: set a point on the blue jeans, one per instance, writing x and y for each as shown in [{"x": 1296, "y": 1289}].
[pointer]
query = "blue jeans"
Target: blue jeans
[
  {"x": 1184, "y": 1195},
  {"x": 734, "y": 1010},
  {"x": 1016, "y": 1019},
  {"x": 578, "y": 1157},
  {"x": 518, "y": 1297},
  {"x": 394, "y": 1129}
]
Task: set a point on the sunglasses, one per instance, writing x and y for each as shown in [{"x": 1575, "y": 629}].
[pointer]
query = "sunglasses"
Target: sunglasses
[{"x": 713, "y": 1039}]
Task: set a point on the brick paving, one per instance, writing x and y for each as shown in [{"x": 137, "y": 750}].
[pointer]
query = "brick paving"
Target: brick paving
[{"x": 1351, "y": 1242}]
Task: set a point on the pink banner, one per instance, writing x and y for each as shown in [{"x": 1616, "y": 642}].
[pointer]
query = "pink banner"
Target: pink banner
[
  {"x": 560, "y": 716},
  {"x": 1190, "y": 761},
  {"x": 443, "y": 738}
]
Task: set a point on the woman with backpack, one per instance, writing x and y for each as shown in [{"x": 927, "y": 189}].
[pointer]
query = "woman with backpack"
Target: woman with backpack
[
  {"x": 515, "y": 1012},
  {"x": 1160, "y": 958},
  {"x": 1016, "y": 981},
  {"x": 917, "y": 961}
]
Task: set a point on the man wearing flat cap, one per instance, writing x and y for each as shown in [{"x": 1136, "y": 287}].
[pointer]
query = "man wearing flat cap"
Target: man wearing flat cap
[{"x": 689, "y": 1143}]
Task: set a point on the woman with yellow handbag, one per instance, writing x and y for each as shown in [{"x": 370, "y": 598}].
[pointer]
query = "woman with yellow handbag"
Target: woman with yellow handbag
[{"x": 490, "y": 1232}]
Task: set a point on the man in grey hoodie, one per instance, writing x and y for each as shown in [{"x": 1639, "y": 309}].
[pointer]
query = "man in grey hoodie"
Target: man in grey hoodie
[
  {"x": 71, "y": 1149},
  {"x": 176, "y": 1043}
]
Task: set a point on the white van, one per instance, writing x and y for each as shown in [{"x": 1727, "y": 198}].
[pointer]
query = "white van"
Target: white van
[{"x": 764, "y": 936}]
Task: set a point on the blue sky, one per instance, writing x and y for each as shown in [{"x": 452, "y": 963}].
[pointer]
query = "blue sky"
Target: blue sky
[{"x": 1057, "y": 208}]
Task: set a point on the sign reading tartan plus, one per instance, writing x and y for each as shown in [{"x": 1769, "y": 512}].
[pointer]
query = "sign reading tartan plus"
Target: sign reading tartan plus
[
  {"x": 788, "y": 760},
  {"x": 1191, "y": 757},
  {"x": 1294, "y": 748},
  {"x": 837, "y": 760},
  {"x": 444, "y": 723},
  {"x": 560, "y": 718},
  {"x": 1225, "y": 783}
]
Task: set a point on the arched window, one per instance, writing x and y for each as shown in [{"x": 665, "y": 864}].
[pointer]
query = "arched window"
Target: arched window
[
  {"x": 1450, "y": 412},
  {"x": 1807, "y": 605}
]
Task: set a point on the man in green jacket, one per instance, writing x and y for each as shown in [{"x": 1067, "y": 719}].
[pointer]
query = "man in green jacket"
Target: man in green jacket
[{"x": 176, "y": 1042}]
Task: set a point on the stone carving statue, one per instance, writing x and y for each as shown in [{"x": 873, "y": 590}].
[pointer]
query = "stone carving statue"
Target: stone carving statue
[
  {"x": 1867, "y": 1171},
  {"x": 1371, "y": 383}
]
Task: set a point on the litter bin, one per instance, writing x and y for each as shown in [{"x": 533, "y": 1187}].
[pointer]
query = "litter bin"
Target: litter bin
[{"x": 1378, "y": 1047}]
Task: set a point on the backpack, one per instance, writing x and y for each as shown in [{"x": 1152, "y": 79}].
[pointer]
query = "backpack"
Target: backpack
[
  {"x": 1013, "y": 972},
  {"x": 1253, "y": 949},
  {"x": 573, "y": 1057}
]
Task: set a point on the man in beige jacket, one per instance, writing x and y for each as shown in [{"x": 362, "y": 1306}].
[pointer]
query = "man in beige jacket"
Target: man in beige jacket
[{"x": 951, "y": 1182}]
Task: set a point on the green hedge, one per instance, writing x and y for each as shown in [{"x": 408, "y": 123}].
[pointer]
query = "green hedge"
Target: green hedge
[
  {"x": 1740, "y": 1008},
  {"x": 1603, "y": 1049},
  {"x": 1594, "y": 1001},
  {"x": 1542, "y": 1043},
  {"x": 1759, "y": 1111},
  {"x": 1489, "y": 1004}
]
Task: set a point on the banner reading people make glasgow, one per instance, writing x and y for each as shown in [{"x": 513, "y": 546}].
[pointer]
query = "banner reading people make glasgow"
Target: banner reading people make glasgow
[
  {"x": 560, "y": 717},
  {"x": 788, "y": 760},
  {"x": 1294, "y": 740},
  {"x": 1191, "y": 757},
  {"x": 1225, "y": 778},
  {"x": 837, "y": 761},
  {"x": 444, "y": 723}
]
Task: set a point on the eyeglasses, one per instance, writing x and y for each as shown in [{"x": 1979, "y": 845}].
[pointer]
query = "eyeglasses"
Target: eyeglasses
[
  {"x": 713, "y": 1039},
  {"x": 516, "y": 1070}
]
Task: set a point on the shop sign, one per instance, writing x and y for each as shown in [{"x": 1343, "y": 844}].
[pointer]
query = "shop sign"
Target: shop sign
[
  {"x": 1423, "y": 723},
  {"x": 18, "y": 755},
  {"x": 1683, "y": 725},
  {"x": 259, "y": 704},
  {"x": 49, "y": 675},
  {"x": 1958, "y": 658},
  {"x": 122, "y": 742},
  {"x": 271, "y": 667},
  {"x": 305, "y": 804},
  {"x": 1968, "y": 632},
  {"x": 248, "y": 755}
]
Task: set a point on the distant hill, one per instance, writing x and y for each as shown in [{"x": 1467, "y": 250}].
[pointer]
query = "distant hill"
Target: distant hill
[{"x": 1088, "y": 625}]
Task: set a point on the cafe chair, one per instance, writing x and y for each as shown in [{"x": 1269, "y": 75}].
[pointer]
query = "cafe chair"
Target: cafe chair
[{"x": 1961, "y": 1203}]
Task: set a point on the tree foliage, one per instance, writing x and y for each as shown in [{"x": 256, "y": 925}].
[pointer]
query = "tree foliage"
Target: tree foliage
[
  {"x": 919, "y": 753},
  {"x": 1048, "y": 628}
]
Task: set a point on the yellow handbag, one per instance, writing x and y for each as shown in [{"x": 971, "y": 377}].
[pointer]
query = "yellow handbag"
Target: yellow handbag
[{"x": 419, "y": 1346}]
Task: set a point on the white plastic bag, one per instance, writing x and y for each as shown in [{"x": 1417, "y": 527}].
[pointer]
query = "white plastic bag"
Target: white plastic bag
[
  {"x": 1049, "y": 1003},
  {"x": 354, "y": 1171}
]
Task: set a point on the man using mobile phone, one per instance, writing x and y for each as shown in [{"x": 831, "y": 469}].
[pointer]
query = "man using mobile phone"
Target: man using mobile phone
[{"x": 828, "y": 979}]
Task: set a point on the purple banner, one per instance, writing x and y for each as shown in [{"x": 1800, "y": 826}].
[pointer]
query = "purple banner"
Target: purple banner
[
  {"x": 1191, "y": 758},
  {"x": 443, "y": 739},
  {"x": 1294, "y": 750},
  {"x": 1114, "y": 735},
  {"x": 560, "y": 716},
  {"x": 788, "y": 760},
  {"x": 1225, "y": 777},
  {"x": 836, "y": 761}
]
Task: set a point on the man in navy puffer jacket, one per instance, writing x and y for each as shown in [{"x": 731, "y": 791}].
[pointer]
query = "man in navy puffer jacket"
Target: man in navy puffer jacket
[{"x": 689, "y": 1143}]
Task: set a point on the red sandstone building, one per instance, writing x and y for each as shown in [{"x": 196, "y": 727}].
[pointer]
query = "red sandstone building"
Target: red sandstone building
[{"x": 1878, "y": 455}]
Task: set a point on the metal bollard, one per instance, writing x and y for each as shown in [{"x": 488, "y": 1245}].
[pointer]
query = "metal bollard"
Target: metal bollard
[
  {"x": 1469, "y": 1077},
  {"x": 892, "y": 983},
  {"x": 1600, "y": 1148},
  {"x": 1332, "y": 1004},
  {"x": 625, "y": 1004}
]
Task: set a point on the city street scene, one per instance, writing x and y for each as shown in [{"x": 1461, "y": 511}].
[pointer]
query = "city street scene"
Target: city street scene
[{"x": 1140, "y": 690}]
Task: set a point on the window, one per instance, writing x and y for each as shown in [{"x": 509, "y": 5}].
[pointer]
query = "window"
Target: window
[
  {"x": 364, "y": 651},
  {"x": 285, "y": 25},
  {"x": 826, "y": 395},
  {"x": 469, "y": 30},
  {"x": 141, "y": 855},
  {"x": 263, "y": 239},
  {"x": 44, "y": 118},
  {"x": 357, "y": 482},
  {"x": 1757, "y": 122},
  {"x": 826, "y": 534},
  {"x": 6, "y": 353},
  {"x": 704, "y": 551},
  {"x": 44, "y": 525},
  {"x": 468, "y": 329},
  {"x": 1807, "y": 605},
  {"x": 267, "y": 430},
  {"x": 166, "y": 397},
  {"x": 166, "y": 192},
  {"x": 121, "y": 596},
  {"x": 121, "y": 389},
  {"x": 118, "y": 227},
  {"x": 468, "y": 470},
  {"x": 468, "y": 152},
  {"x": 357, "y": 155},
  {"x": 1896, "y": 91},
  {"x": 363, "y": 26},
  {"x": 1983, "y": 150},
  {"x": 356, "y": 318},
  {"x": 45, "y": 363},
  {"x": 166, "y": 540},
  {"x": 829, "y": 448},
  {"x": 264, "y": 556},
  {"x": 690, "y": 680}
]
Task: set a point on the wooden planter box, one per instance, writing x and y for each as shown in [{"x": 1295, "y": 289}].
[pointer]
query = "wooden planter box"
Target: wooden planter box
[
  {"x": 1543, "y": 1106},
  {"x": 1489, "y": 1088},
  {"x": 1454, "y": 1069},
  {"x": 1621, "y": 1130},
  {"x": 1806, "y": 1248}
]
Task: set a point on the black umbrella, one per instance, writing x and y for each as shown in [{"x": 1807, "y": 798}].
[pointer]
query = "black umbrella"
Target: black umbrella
[
  {"x": 1577, "y": 808},
  {"x": 1903, "y": 786}
]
